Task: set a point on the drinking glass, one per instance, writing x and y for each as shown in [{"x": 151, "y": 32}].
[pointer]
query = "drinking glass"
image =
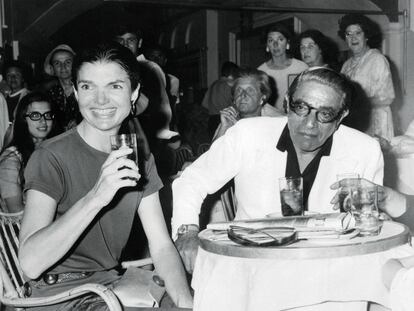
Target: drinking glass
[
  {"x": 363, "y": 204},
  {"x": 291, "y": 195},
  {"x": 126, "y": 141},
  {"x": 344, "y": 190}
]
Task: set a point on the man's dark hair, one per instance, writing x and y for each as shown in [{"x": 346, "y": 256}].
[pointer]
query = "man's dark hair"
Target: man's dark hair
[
  {"x": 325, "y": 76},
  {"x": 122, "y": 29},
  {"x": 229, "y": 69},
  {"x": 16, "y": 64},
  {"x": 109, "y": 52}
]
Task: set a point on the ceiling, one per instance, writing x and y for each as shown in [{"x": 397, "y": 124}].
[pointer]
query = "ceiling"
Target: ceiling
[{"x": 40, "y": 24}]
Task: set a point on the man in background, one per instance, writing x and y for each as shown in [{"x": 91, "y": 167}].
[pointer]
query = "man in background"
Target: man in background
[{"x": 156, "y": 117}]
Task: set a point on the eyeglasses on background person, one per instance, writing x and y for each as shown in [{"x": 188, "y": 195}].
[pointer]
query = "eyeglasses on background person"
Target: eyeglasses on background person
[{"x": 36, "y": 116}]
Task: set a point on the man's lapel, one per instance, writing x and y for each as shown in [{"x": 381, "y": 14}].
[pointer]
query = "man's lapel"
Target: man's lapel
[{"x": 338, "y": 162}]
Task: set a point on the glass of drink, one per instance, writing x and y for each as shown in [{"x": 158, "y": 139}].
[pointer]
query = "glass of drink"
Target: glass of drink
[
  {"x": 349, "y": 180},
  {"x": 291, "y": 195},
  {"x": 363, "y": 203},
  {"x": 126, "y": 141}
]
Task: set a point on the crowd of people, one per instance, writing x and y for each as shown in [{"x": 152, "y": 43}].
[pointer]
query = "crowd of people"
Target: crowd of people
[{"x": 307, "y": 117}]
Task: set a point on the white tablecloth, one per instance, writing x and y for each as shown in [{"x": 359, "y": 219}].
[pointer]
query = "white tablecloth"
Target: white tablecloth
[{"x": 224, "y": 283}]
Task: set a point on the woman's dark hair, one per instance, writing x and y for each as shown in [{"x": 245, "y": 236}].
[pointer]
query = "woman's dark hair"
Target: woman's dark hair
[
  {"x": 281, "y": 29},
  {"x": 328, "y": 48},
  {"x": 22, "y": 139},
  {"x": 371, "y": 29},
  {"x": 109, "y": 52}
]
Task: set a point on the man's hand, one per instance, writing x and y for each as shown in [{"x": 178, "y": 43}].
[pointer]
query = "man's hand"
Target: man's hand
[
  {"x": 345, "y": 184},
  {"x": 187, "y": 245},
  {"x": 229, "y": 116}
]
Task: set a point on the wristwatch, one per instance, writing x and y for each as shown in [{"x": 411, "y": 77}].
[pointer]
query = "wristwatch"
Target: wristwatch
[{"x": 183, "y": 229}]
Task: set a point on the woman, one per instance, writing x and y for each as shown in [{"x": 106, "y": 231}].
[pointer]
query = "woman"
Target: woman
[
  {"x": 33, "y": 124},
  {"x": 280, "y": 66},
  {"x": 371, "y": 70},
  {"x": 82, "y": 197},
  {"x": 316, "y": 49}
]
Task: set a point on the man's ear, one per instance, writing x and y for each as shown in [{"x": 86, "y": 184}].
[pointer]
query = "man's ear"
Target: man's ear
[
  {"x": 135, "y": 94},
  {"x": 139, "y": 43},
  {"x": 75, "y": 92},
  {"x": 344, "y": 114},
  {"x": 286, "y": 101}
]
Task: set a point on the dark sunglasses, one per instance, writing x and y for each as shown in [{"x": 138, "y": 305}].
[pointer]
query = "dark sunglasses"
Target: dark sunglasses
[
  {"x": 36, "y": 116},
  {"x": 271, "y": 236}
]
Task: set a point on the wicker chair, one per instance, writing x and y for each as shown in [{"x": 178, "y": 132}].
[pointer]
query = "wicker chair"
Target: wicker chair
[
  {"x": 13, "y": 292},
  {"x": 203, "y": 148},
  {"x": 229, "y": 202},
  {"x": 182, "y": 154}
]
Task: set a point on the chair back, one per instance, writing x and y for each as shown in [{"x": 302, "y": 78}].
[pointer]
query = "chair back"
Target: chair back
[
  {"x": 229, "y": 202},
  {"x": 12, "y": 281},
  {"x": 182, "y": 154},
  {"x": 12, "y": 285},
  {"x": 202, "y": 148}
]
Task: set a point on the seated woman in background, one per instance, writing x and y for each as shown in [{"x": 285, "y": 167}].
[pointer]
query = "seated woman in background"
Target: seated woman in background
[
  {"x": 317, "y": 50},
  {"x": 34, "y": 123}
]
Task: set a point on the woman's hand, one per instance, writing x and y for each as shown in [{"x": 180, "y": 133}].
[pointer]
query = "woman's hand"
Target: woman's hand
[{"x": 117, "y": 172}]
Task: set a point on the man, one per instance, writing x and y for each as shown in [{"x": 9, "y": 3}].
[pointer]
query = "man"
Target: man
[
  {"x": 58, "y": 63},
  {"x": 250, "y": 94},
  {"x": 309, "y": 143},
  {"x": 156, "y": 118},
  {"x": 218, "y": 95},
  {"x": 156, "y": 54},
  {"x": 15, "y": 77}
]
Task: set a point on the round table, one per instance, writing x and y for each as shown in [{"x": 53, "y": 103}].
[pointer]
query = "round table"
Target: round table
[
  {"x": 306, "y": 275},
  {"x": 392, "y": 235}
]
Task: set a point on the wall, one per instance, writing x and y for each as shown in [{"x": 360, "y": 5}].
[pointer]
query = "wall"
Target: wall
[
  {"x": 229, "y": 22},
  {"x": 405, "y": 112}
]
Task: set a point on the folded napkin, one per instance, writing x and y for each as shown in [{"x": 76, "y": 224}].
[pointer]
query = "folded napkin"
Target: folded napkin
[{"x": 318, "y": 222}]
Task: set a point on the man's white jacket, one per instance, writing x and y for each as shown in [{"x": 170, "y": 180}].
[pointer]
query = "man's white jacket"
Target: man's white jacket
[{"x": 248, "y": 153}]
